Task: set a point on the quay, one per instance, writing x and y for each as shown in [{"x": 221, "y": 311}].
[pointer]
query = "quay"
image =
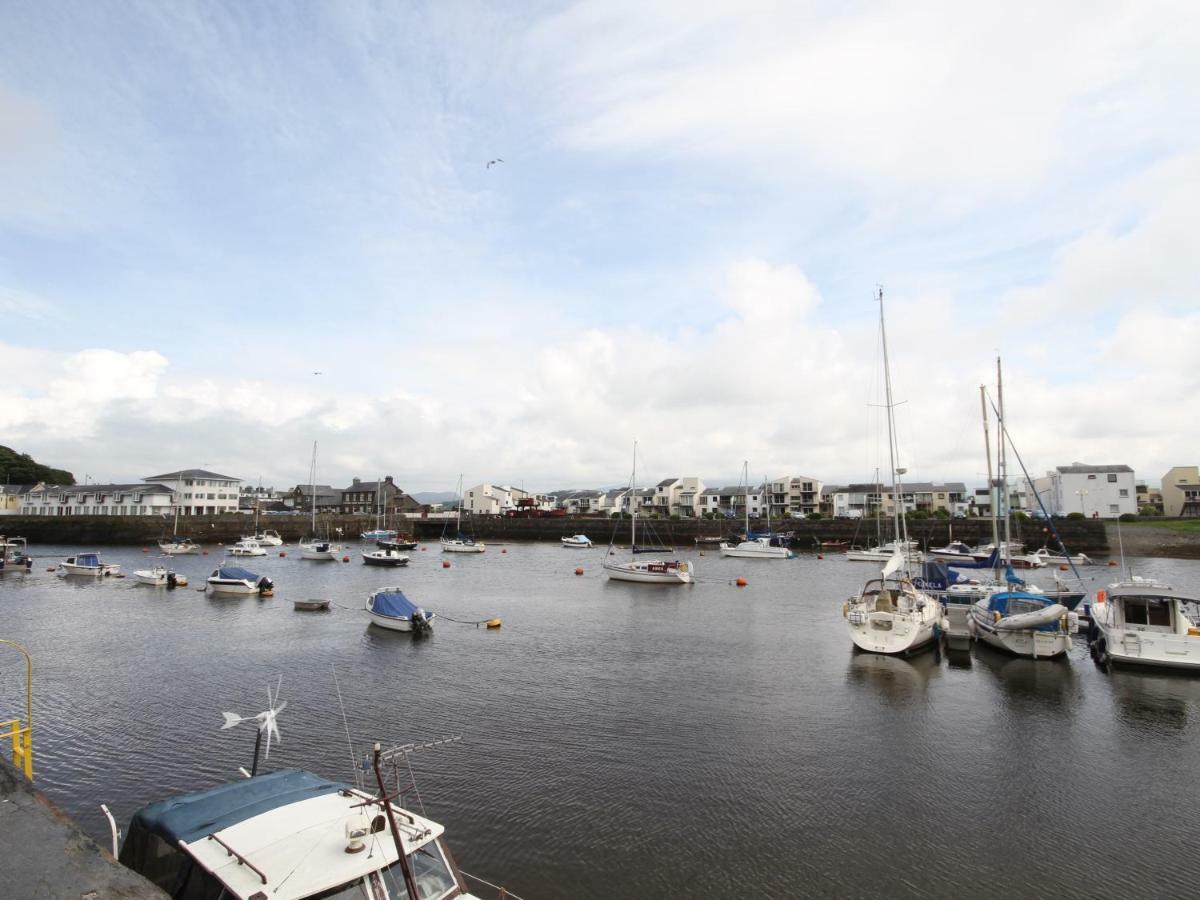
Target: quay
[{"x": 44, "y": 854}]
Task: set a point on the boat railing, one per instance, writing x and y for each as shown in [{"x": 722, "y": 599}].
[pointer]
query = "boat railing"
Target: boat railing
[
  {"x": 21, "y": 736},
  {"x": 502, "y": 893}
]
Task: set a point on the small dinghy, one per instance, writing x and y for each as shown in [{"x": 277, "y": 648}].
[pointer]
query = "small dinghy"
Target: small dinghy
[
  {"x": 311, "y": 605},
  {"x": 389, "y": 608},
  {"x": 581, "y": 541},
  {"x": 391, "y": 558}
]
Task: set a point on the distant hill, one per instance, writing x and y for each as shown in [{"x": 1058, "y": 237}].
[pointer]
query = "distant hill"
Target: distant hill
[
  {"x": 435, "y": 497},
  {"x": 19, "y": 468}
]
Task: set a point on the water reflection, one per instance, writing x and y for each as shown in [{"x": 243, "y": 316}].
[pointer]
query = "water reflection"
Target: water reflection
[
  {"x": 1050, "y": 684},
  {"x": 896, "y": 679},
  {"x": 1154, "y": 701}
]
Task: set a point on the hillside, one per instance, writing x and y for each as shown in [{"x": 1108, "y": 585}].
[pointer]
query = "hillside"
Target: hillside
[{"x": 19, "y": 468}]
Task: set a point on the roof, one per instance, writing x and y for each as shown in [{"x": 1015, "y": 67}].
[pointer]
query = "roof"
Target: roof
[
  {"x": 667, "y": 482},
  {"x": 1085, "y": 469},
  {"x": 189, "y": 473},
  {"x": 16, "y": 488},
  {"x": 369, "y": 487},
  {"x": 93, "y": 488}
]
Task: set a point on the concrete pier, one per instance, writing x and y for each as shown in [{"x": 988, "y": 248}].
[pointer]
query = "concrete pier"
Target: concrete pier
[{"x": 43, "y": 854}]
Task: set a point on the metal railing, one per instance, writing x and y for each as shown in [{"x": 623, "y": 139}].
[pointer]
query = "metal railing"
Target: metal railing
[{"x": 20, "y": 735}]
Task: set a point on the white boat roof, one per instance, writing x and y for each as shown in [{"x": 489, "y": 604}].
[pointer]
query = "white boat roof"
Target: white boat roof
[
  {"x": 1141, "y": 587},
  {"x": 300, "y": 848}
]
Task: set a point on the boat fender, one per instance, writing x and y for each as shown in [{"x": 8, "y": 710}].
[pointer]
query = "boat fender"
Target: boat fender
[
  {"x": 845, "y": 608},
  {"x": 492, "y": 623},
  {"x": 1101, "y": 596},
  {"x": 995, "y": 616}
]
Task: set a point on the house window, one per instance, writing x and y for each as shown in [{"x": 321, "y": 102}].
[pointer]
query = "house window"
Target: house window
[
  {"x": 1124, "y": 492},
  {"x": 1113, "y": 508},
  {"x": 1112, "y": 479}
]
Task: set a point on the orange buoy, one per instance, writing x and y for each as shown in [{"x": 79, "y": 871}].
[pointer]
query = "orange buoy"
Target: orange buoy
[
  {"x": 1062, "y": 567},
  {"x": 445, "y": 563},
  {"x": 345, "y": 559},
  {"x": 820, "y": 556},
  {"x": 283, "y": 553},
  {"x": 579, "y": 570},
  {"x": 503, "y": 549},
  {"x": 204, "y": 553},
  {"x": 422, "y": 549},
  {"x": 741, "y": 582},
  {"x": 145, "y": 549},
  {"x": 492, "y": 623},
  {"x": 1112, "y": 562}
]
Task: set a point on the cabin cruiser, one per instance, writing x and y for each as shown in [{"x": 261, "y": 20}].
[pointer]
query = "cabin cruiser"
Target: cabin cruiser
[
  {"x": 159, "y": 576},
  {"x": 1146, "y": 622},
  {"x": 884, "y": 552},
  {"x": 954, "y": 552},
  {"x": 247, "y": 547},
  {"x": 389, "y": 608},
  {"x": 1054, "y": 558},
  {"x": 234, "y": 580},
  {"x": 268, "y": 537},
  {"x": 87, "y": 564},
  {"x": 14, "y": 555},
  {"x": 758, "y": 548},
  {"x": 391, "y": 558},
  {"x": 318, "y": 549},
  {"x": 579, "y": 541}
]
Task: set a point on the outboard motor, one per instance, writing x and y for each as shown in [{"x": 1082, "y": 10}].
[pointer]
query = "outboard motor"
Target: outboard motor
[
  {"x": 420, "y": 622},
  {"x": 266, "y": 587},
  {"x": 172, "y": 581}
]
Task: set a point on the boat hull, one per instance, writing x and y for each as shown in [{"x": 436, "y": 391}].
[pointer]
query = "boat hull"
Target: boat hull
[
  {"x": 756, "y": 551},
  {"x": 88, "y": 571},
  {"x": 240, "y": 588},
  {"x": 650, "y": 572},
  {"x": 462, "y": 547},
  {"x": 320, "y": 552},
  {"x": 311, "y": 605},
  {"x": 894, "y": 633},
  {"x": 386, "y": 558},
  {"x": 1028, "y": 641},
  {"x": 152, "y": 578}
]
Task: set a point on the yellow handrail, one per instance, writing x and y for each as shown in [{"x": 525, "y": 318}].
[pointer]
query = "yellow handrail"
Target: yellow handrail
[{"x": 22, "y": 738}]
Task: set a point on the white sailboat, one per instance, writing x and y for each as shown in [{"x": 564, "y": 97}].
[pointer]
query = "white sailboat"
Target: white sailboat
[
  {"x": 757, "y": 547},
  {"x": 267, "y": 537},
  {"x": 314, "y": 547},
  {"x": 647, "y": 571},
  {"x": 890, "y": 615},
  {"x": 460, "y": 543},
  {"x": 176, "y": 545}
]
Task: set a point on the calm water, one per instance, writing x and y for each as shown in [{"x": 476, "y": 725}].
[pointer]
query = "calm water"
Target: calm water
[{"x": 627, "y": 740}]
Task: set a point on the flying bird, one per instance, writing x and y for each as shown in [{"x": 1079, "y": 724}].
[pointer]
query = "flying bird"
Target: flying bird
[
  {"x": 317, "y": 373},
  {"x": 492, "y": 162}
]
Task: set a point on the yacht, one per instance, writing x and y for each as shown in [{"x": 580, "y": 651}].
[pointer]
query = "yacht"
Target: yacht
[
  {"x": 460, "y": 543},
  {"x": 178, "y": 546},
  {"x": 1023, "y": 623},
  {"x": 884, "y": 552},
  {"x": 1145, "y": 622},
  {"x": 247, "y": 547},
  {"x": 87, "y": 564},
  {"x": 579, "y": 541},
  {"x": 649, "y": 571},
  {"x": 755, "y": 546}
]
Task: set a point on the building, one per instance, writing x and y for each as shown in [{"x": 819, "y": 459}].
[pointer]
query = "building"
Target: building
[
  {"x": 733, "y": 502},
  {"x": 376, "y": 498},
  {"x": 794, "y": 495},
  {"x": 199, "y": 492},
  {"x": 677, "y": 497},
  {"x": 1098, "y": 492},
  {"x": 1149, "y": 500},
  {"x": 10, "y": 498},
  {"x": 852, "y": 501},
  {"x": 581, "y": 503},
  {"x": 251, "y": 497},
  {"x": 328, "y": 498},
  {"x": 496, "y": 499},
  {"x": 1181, "y": 491},
  {"x": 140, "y": 499},
  {"x": 1020, "y": 499}
]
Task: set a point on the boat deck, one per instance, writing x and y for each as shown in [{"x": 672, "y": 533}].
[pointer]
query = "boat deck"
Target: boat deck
[{"x": 44, "y": 854}]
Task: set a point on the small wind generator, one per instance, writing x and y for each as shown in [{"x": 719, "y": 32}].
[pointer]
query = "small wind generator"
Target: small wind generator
[{"x": 266, "y": 724}]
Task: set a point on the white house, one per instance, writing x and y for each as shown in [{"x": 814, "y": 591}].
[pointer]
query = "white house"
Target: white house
[
  {"x": 678, "y": 497},
  {"x": 732, "y": 502},
  {"x": 10, "y": 498},
  {"x": 1102, "y": 492},
  {"x": 201, "y": 493},
  {"x": 99, "y": 500},
  {"x": 794, "y": 495},
  {"x": 493, "y": 499}
]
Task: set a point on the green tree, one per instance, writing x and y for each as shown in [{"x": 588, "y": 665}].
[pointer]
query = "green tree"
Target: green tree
[{"x": 20, "y": 468}]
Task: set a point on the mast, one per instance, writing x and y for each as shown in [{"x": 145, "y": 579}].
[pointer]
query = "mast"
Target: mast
[
  {"x": 1002, "y": 464},
  {"x": 633, "y": 504},
  {"x": 898, "y": 523},
  {"x": 178, "y": 482},
  {"x": 746, "y": 496},
  {"x": 458, "y": 515},
  {"x": 987, "y": 451},
  {"x": 312, "y": 490}
]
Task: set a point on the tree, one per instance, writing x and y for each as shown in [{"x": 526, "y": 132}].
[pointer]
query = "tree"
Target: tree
[{"x": 20, "y": 468}]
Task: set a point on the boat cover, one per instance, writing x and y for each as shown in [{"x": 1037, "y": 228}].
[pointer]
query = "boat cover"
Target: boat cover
[
  {"x": 237, "y": 573},
  {"x": 192, "y": 816},
  {"x": 394, "y": 605},
  {"x": 87, "y": 559}
]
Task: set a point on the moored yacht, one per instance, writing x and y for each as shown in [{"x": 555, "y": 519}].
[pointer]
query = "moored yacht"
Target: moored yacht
[
  {"x": 578, "y": 541},
  {"x": 87, "y": 564},
  {"x": 1023, "y": 623},
  {"x": 247, "y": 547},
  {"x": 1146, "y": 622},
  {"x": 649, "y": 571},
  {"x": 884, "y": 552},
  {"x": 178, "y": 546}
]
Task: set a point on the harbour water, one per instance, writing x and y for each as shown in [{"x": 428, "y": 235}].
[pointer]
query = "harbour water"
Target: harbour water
[{"x": 624, "y": 740}]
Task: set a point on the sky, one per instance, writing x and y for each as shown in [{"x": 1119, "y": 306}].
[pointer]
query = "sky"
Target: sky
[{"x": 230, "y": 230}]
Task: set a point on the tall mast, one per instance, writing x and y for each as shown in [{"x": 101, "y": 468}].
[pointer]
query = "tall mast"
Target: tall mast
[
  {"x": 746, "y": 496},
  {"x": 312, "y": 490},
  {"x": 458, "y": 517},
  {"x": 987, "y": 451},
  {"x": 633, "y": 503},
  {"x": 1002, "y": 463},
  {"x": 898, "y": 523}
]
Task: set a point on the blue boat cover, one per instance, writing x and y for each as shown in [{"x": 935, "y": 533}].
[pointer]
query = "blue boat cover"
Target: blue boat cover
[
  {"x": 394, "y": 604},
  {"x": 236, "y": 572},
  {"x": 87, "y": 559},
  {"x": 193, "y": 816}
]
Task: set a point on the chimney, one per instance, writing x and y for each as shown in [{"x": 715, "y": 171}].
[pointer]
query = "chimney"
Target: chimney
[
  {"x": 356, "y": 481},
  {"x": 388, "y": 479}
]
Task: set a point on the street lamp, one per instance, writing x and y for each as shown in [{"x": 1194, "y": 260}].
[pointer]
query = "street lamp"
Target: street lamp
[{"x": 1082, "y": 494}]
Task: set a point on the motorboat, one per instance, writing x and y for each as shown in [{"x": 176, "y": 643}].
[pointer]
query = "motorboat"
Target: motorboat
[
  {"x": 758, "y": 548},
  {"x": 384, "y": 558},
  {"x": 954, "y": 552},
  {"x": 1023, "y": 623},
  {"x": 884, "y": 552},
  {"x": 1144, "y": 622},
  {"x": 178, "y": 546},
  {"x": 268, "y": 537},
  {"x": 578, "y": 541},
  {"x": 247, "y": 547},
  {"x": 318, "y": 549},
  {"x": 87, "y": 564},
  {"x": 291, "y": 834},
  {"x": 235, "y": 580},
  {"x": 650, "y": 571},
  {"x": 389, "y": 608},
  {"x": 1055, "y": 558},
  {"x": 378, "y": 534},
  {"x": 14, "y": 555},
  {"x": 160, "y": 576},
  {"x": 399, "y": 543}
]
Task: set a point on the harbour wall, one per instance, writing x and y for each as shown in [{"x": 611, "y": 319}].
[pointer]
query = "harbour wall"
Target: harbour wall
[{"x": 1086, "y": 536}]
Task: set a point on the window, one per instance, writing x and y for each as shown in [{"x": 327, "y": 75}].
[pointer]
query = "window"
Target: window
[
  {"x": 1114, "y": 509},
  {"x": 1112, "y": 479},
  {"x": 1091, "y": 478},
  {"x": 1149, "y": 611},
  {"x": 1124, "y": 492}
]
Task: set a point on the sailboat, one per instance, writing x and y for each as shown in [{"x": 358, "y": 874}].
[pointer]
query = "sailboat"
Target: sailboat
[
  {"x": 650, "y": 571},
  {"x": 314, "y": 547},
  {"x": 176, "y": 545},
  {"x": 380, "y": 532},
  {"x": 890, "y": 615},
  {"x": 460, "y": 543},
  {"x": 267, "y": 537},
  {"x": 1021, "y": 621},
  {"x": 882, "y": 552},
  {"x": 754, "y": 547}
]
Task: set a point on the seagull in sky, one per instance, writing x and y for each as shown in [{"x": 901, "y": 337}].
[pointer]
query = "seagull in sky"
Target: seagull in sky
[
  {"x": 317, "y": 373},
  {"x": 492, "y": 162}
]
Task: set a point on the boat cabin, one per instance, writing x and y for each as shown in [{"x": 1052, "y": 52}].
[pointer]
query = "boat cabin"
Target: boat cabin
[
  {"x": 287, "y": 835},
  {"x": 1151, "y": 606}
]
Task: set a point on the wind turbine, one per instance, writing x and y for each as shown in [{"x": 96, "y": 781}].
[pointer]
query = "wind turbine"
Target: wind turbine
[{"x": 266, "y": 724}]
